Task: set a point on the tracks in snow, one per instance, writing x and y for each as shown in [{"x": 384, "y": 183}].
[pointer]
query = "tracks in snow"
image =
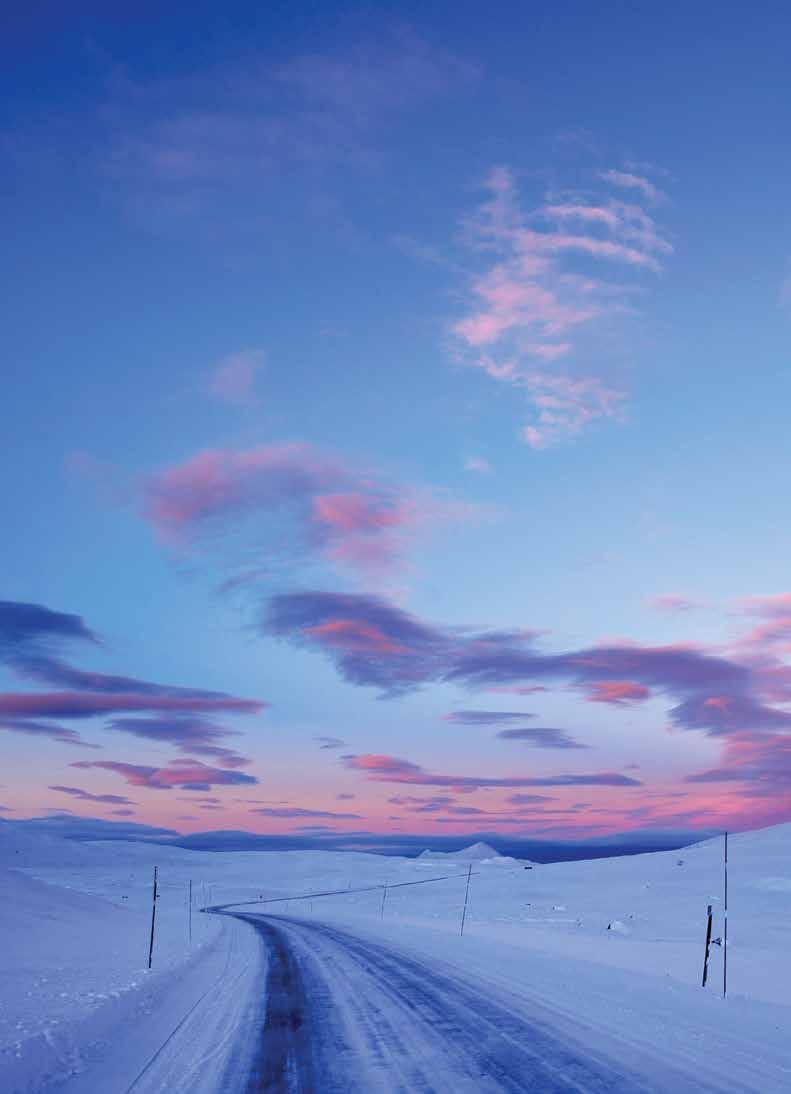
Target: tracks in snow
[{"x": 345, "y": 1014}]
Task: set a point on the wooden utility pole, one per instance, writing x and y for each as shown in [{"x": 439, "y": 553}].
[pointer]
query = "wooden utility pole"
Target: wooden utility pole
[
  {"x": 466, "y": 897},
  {"x": 384, "y": 898},
  {"x": 190, "y": 913},
  {"x": 708, "y": 946},
  {"x": 725, "y": 930},
  {"x": 153, "y": 919}
]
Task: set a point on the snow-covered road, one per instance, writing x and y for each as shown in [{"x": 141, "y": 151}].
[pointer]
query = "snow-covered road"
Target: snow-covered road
[{"x": 345, "y": 1013}]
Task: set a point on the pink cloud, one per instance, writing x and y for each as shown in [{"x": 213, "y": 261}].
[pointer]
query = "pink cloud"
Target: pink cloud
[
  {"x": 355, "y": 513},
  {"x": 769, "y": 640},
  {"x": 352, "y": 635},
  {"x": 295, "y": 494},
  {"x": 629, "y": 222},
  {"x": 630, "y": 181},
  {"x": 769, "y": 606},
  {"x": 598, "y": 248},
  {"x": 233, "y": 379},
  {"x": 595, "y": 213},
  {"x": 186, "y": 774},
  {"x": 566, "y": 405},
  {"x": 617, "y": 691},
  {"x": 511, "y": 302},
  {"x": 529, "y": 303}
]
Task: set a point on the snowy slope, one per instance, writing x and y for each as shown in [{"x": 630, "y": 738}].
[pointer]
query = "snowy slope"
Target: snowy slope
[{"x": 76, "y": 925}]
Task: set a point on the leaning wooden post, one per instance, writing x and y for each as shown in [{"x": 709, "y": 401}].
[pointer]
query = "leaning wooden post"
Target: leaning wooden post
[
  {"x": 466, "y": 897},
  {"x": 725, "y": 930},
  {"x": 384, "y": 898},
  {"x": 708, "y": 947},
  {"x": 190, "y": 913},
  {"x": 153, "y": 919}
]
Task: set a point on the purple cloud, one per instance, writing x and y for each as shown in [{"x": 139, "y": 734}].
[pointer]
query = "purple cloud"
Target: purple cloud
[
  {"x": 294, "y": 811},
  {"x": 291, "y": 493},
  {"x": 542, "y": 737},
  {"x": 76, "y": 704},
  {"x": 24, "y": 625},
  {"x": 374, "y": 644},
  {"x": 59, "y": 674},
  {"x": 391, "y": 769},
  {"x": 529, "y": 799},
  {"x": 44, "y": 729},
  {"x": 83, "y": 795},
  {"x": 186, "y": 774},
  {"x": 371, "y": 642},
  {"x": 486, "y": 717},
  {"x": 190, "y": 733},
  {"x": 27, "y": 633},
  {"x": 760, "y": 760}
]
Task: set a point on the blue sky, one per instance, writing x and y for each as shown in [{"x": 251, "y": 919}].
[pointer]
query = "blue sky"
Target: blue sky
[{"x": 478, "y": 318}]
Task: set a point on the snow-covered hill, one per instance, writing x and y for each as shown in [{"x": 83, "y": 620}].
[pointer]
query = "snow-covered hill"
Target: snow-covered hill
[
  {"x": 612, "y": 946},
  {"x": 467, "y": 854},
  {"x": 475, "y": 853}
]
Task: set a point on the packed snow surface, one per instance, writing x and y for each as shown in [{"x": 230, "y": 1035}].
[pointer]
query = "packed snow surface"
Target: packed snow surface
[{"x": 598, "y": 963}]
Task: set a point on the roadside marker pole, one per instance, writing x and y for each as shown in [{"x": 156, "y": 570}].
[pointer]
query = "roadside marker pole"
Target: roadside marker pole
[
  {"x": 153, "y": 919},
  {"x": 708, "y": 947},
  {"x": 725, "y": 931},
  {"x": 466, "y": 896}
]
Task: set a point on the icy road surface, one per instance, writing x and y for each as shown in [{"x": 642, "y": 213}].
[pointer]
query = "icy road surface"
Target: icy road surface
[{"x": 348, "y": 1014}]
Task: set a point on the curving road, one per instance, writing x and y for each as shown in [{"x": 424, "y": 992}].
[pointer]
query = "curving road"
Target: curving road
[{"x": 345, "y": 1014}]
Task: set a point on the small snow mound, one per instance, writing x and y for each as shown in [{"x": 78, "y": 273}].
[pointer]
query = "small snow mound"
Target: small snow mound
[{"x": 476, "y": 852}]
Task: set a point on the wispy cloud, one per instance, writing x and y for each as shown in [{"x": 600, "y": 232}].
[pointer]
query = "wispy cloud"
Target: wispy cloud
[
  {"x": 184, "y": 774},
  {"x": 84, "y": 795},
  {"x": 81, "y": 704},
  {"x": 630, "y": 181},
  {"x": 33, "y": 728},
  {"x": 617, "y": 692},
  {"x": 537, "y": 302},
  {"x": 25, "y": 626},
  {"x": 190, "y": 733},
  {"x": 181, "y": 144},
  {"x": 394, "y": 770},
  {"x": 297, "y": 503},
  {"x": 292, "y": 812},
  {"x": 542, "y": 737},
  {"x": 672, "y": 603},
  {"x": 30, "y": 637},
  {"x": 487, "y": 717},
  {"x": 233, "y": 378}
]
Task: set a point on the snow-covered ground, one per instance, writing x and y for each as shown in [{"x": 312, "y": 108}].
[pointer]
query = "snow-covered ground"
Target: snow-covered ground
[{"x": 609, "y": 952}]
